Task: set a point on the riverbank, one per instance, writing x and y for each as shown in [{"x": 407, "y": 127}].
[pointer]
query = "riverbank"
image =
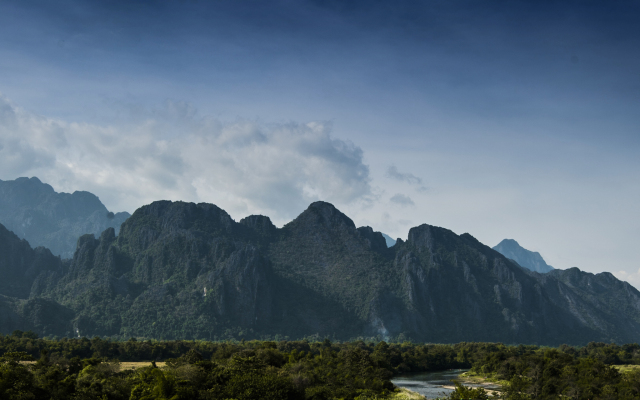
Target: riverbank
[
  {"x": 487, "y": 381},
  {"x": 491, "y": 385},
  {"x": 490, "y": 392},
  {"x": 406, "y": 394},
  {"x": 427, "y": 384}
]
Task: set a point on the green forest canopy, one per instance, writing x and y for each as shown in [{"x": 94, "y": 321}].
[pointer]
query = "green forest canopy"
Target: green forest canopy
[{"x": 90, "y": 369}]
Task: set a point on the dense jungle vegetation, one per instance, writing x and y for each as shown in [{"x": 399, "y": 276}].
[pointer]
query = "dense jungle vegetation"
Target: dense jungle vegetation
[{"x": 90, "y": 369}]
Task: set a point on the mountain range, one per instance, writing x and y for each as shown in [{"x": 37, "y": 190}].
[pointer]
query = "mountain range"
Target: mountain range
[
  {"x": 189, "y": 271},
  {"x": 35, "y": 212}
]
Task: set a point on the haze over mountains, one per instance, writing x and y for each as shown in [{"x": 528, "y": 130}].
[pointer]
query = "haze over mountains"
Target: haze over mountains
[
  {"x": 184, "y": 270},
  {"x": 35, "y": 212}
]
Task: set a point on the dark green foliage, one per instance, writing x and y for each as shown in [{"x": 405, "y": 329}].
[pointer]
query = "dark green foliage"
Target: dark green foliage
[
  {"x": 303, "y": 370},
  {"x": 20, "y": 265},
  {"x": 566, "y": 372},
  {"x": 250, "y": 371}
]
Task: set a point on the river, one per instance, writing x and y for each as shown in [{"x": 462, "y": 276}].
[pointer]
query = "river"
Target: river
[{"x": 431, "y": 384}]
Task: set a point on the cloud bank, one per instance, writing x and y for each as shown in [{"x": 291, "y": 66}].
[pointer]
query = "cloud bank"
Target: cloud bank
[{"x": 242, "y": 166}]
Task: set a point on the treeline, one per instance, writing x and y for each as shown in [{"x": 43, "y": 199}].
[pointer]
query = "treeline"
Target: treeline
[
  {"x": 260, "y": 373},
  {"x": 90, "y": 369},
  {"x": 396, "y": 357},
  {"x": 402, "y": 357},
  {"x": 575, "y": 373}
]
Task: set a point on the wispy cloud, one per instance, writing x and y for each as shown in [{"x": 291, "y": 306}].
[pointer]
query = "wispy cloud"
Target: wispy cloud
[
  {"x": 393, "y": 173},
  {"x": 171, "y": 153},
  {"x": 402, "y": 200}
]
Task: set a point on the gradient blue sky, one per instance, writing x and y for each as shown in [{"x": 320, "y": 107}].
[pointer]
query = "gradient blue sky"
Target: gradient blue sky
[{"x": 504, "y": 119}]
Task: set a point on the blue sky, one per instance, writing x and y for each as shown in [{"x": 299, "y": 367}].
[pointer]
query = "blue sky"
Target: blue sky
[{"x": 505, "y": 119}]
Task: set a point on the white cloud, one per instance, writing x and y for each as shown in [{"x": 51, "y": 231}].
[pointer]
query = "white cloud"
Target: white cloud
[
  {"x": 243, "y": 167},
  {"x": 393, "y": 173},
  {"x": 632, "y": 277}
]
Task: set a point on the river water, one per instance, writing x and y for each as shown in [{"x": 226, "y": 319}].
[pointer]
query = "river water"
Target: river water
[{"x": 429, "y": 384}]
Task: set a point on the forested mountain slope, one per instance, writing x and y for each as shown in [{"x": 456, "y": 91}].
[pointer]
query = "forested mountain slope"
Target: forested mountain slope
[
  {"x": 23, "y": 271},
  {"x": 184, "y": 270}
]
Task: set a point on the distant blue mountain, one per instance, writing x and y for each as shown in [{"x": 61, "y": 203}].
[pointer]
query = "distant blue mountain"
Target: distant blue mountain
[
  {"x": 35, "y": 212},
  {"x": 389, "y": 240},
  {"x": 530, "y": 260}
]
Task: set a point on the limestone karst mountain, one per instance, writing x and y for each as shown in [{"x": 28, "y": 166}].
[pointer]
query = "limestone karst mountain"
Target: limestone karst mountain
[
  {"x": 35, "y": 212},
  {"x": 184, "y": 270},
  {"x": 530, "y": 260}
]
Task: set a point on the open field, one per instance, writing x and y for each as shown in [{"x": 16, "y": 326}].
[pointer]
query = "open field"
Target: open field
[
  {"x": 140, "y": 364},
  {"x": 627, "y": 368},
  {"x": 123, "y": 365}
]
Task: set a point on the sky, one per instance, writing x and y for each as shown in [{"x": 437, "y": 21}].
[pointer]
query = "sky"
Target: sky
[{"x": 503, "y": 119}]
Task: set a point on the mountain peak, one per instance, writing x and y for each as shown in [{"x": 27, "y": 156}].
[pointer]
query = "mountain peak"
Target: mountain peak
[
  {"x": 425, "y": 236},
  {"x": 185, "y": 215},
  {"x": 530, "y": 260},
  {"x": 508, "y": 242},
  {"x": 24, "y": 179},
  {"x": 259, "y": 223},
  {"x": 325, "y": 214}
]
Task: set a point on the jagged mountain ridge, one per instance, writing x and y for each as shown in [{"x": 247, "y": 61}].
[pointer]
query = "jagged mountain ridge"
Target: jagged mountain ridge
[
  {"x": 530, "y": 260},
  {"x": 184, "y": 270},
  {"x": 35, "y": 212}
]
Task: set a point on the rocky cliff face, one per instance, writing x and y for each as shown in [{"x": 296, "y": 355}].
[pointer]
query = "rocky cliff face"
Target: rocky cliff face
[
  {"x": 530, "y": 260},
  {"x": 183, "y": 270},
  {"x": 458, "y": 288},
  {"x": 35, "y": 212}
]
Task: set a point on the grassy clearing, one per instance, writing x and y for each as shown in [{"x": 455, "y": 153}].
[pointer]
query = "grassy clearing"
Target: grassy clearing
[
  {"x": 481, "y": 379},
  {"x": 140, "y": 364},
  {"x": 406, "y": 394},
  {"x": 627, "y": 368},
  {"x": 123, "y": 365}
]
